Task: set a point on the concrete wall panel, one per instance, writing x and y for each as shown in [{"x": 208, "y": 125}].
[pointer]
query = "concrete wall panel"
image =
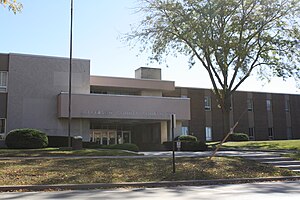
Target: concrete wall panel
[{"x": 34, "y": 83}]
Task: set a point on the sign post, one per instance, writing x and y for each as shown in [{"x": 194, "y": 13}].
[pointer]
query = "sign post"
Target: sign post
[{"x": 173, "y": 126}]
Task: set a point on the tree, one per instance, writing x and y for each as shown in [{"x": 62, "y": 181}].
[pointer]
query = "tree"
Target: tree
[
  {"x": 230, "y": 38},
  {"x": 13, "y": 5}
]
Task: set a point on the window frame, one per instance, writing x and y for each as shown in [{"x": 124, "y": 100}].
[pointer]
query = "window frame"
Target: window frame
[
  {"x": 250, "y": 105},
  {"x": 271, "y": 133},
  {"x": 184, "y": 130},
  {"x": 207, "y": 103},
  {"x": 208, "y": 133},
  {"x": 251, "y": 133},
  {"x": 269, "y": 105},
  {"x": 2, "y": 134}
]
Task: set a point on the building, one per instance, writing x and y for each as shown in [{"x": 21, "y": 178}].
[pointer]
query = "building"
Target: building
[
  {"x": 112, "y": 110},
  {"x": 263, "y": 116},
  {"x": 107, "y": 110}
]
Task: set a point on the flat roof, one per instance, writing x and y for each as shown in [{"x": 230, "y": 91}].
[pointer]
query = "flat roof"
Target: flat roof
[{"x": 133, "y": 83}]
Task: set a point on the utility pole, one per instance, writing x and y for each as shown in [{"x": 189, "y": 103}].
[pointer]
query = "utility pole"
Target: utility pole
[{"x": 70, "y": 77}]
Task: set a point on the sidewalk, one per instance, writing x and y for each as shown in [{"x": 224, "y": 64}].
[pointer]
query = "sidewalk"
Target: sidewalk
[{"x": 7, "y": 188}]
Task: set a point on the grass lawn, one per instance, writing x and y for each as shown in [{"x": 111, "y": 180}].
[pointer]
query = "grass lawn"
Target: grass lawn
[
  {"x": 266, "y": 145},
  {"x": 79, "y": 171},
  {"x": 57, "y": 152}
]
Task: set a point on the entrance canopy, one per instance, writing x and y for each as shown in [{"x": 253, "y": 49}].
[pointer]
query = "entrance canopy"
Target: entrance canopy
[{"x": 103, "y": 106}]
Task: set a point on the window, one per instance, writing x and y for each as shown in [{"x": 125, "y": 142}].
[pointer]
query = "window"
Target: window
[
  {"x": 3, "y": 81},
  {"x": 2, "y": 129},
  {"x": 250, "y": 104},
  {"x": 184, "y": 130},
  {"x": 208, "y": 133},
  {"x": 287, "y": 105},
  {"x": 251, "y": 133},
  {"x": 269, "y": 104},
  {"x": 207, "y": 103},
  {"x": 270, "y": 132}
]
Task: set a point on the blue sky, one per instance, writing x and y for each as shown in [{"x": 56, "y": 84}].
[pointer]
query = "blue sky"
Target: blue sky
[{"x": 43, "y": 28}]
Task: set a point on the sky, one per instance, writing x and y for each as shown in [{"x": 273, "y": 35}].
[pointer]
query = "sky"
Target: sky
[{"x": 43, "y": 28}]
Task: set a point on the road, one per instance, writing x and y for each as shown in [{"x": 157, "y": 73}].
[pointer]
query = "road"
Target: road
[{"x": 257, "y": 191}]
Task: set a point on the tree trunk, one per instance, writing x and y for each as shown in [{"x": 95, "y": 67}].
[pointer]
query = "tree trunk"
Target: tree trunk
[{"x": 226, "y": 115}]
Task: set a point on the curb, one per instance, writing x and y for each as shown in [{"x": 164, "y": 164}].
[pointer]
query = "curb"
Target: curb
[
  {"x": 260, "y": 150},
  {"x": 8, "y": 188}
]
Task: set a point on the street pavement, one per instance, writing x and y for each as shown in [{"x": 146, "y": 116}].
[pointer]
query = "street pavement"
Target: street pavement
[{"x": 258, "y": 191}]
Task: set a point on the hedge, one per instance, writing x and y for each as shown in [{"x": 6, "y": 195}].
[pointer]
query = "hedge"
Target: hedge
[
  {"x": 26, "y": 139},
  {"x": 186, "y": 146},
  {"x": 186, "y": 138},
  {"x": 238, "y": 137}
]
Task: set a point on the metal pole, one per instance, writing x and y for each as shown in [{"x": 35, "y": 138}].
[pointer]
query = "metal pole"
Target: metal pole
[
  {"x": 173, "y": 142},
  {"x": 70, "y": 77}
]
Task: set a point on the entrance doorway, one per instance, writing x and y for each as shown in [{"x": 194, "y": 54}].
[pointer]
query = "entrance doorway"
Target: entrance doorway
[{"x": 107, "y": 137}]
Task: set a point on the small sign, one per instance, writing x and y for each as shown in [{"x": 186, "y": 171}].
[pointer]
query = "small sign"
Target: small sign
[{"x": 178, "y": 144}]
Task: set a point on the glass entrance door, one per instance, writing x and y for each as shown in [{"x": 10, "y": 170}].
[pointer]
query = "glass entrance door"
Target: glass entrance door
[
  {"x": 107, "y": 137},
  {"x": 123, "y": 137},
  {"x": 104, "y": 137}
]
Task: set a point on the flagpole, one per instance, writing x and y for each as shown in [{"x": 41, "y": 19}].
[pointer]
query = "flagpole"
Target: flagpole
[{"x": 70, "y": 78}]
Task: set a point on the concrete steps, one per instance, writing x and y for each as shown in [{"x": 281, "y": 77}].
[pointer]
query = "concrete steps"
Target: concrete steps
[{"x": 277, "y": 161}]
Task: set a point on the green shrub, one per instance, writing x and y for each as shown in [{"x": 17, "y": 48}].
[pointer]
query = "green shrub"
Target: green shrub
[
  {"x": 186, "y": 146},
  {"x": 187, "y": 138},
  {"x": 126, "y": 146},
  {"x": 238, "y": 137},
  {"x": 26, "y": 139}
]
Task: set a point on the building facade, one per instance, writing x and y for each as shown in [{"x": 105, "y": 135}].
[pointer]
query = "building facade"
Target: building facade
[
  {"x": 263, "y": 116},
  {"x": 106, "y": 110},
  {"x": 113, "y": 110}
]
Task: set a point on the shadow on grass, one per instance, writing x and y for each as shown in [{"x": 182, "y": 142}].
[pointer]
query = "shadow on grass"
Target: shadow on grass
[{"x": 79, "y": 171}]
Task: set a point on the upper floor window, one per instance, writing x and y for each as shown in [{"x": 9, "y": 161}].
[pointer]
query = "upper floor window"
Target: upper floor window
[
  {"x": 3, "y": 81},
  {"x": 270, "y": 133},
  {"x": 287, "y": 105},
  {"x": 250, "y": 104},
  {"x": 207, "y": 103},
  {"x": 269, "y": 104}
]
